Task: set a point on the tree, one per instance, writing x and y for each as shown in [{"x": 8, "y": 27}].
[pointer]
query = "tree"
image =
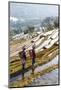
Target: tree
[
  {"x": 31, "y": 29},
  {"x": 48, "y": 23},
  {"x": 26, "y": 31},
  {"x": 56, "y": 23}
]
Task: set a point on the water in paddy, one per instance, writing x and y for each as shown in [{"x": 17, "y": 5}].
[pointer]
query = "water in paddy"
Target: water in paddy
[{"x": 47, "y": 79}]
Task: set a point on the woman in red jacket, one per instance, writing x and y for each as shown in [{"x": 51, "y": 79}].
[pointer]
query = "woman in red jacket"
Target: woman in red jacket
[
  {"x": 22, "y": 55},
  {"x": 33, "y": 57}
]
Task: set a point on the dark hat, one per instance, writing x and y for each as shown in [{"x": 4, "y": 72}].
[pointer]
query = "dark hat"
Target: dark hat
[{"x": 32, "y": 41}]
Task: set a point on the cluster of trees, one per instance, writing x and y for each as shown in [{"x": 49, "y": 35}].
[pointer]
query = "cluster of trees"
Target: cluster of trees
[
  {"x": 56, "y": 22},
  {"x": 50, "y": 23},
  {"x": 29, "y": 30}
]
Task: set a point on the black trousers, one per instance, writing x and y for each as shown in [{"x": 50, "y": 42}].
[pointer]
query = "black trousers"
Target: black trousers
[
  {"x": 33, "y": 62},
  {"x": 23, "y": 69}
]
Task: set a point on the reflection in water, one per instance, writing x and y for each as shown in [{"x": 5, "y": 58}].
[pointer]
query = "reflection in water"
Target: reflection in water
[{"x": 47, "y": 79}]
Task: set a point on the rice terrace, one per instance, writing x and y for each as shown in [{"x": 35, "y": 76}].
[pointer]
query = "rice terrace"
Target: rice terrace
[{"x": 34, "y": 45}]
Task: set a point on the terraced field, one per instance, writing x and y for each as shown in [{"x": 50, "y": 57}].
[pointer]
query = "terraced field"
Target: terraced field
[{"x": 43, "y": 56}]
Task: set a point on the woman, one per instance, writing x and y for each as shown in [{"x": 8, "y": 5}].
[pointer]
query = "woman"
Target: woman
[
  {"x": 22, "y": 55},
  {"x": 33, "y": 56}
]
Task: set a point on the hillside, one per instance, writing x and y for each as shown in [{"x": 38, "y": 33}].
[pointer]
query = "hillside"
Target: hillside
[{"x": 47, "y": 51}]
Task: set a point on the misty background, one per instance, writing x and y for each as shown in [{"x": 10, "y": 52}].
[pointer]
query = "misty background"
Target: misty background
[{"x": 26, "y": 17}]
